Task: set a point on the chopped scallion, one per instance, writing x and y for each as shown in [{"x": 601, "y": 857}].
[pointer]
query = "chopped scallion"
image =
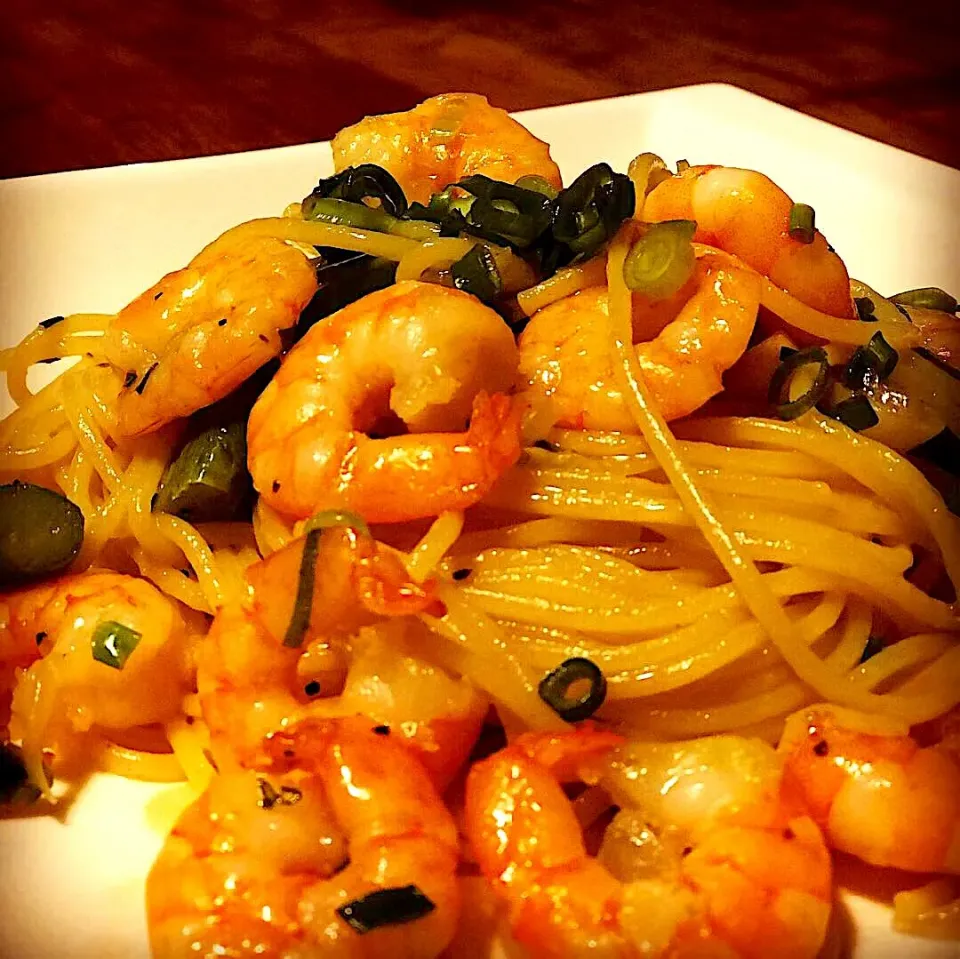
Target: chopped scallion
[
  {"x": 113, "y": 643},
  {"x": 386, "y": 907},
  {"x": 558, "y": 689},
  {"x": 357, "y": 184},
  {"x": 303, "y": 603},
  {"x": 328, "y": 518},
  {"x": 476, "y": 272},
  {"x": 873, "y": 645},
  {"x": 662, "y": 260},
  {"x": 802, "y": 226},
  {"x": 865, "y": 307},
  {"x": 929, "y": 298},
  {"x": 877, "y": 360},
  {"x": 538, "y": 185},
  {"x": 782, "y": 379},
  {"x": 855, "y": 412}
]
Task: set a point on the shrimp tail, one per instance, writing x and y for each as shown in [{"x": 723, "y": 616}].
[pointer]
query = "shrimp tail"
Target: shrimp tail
[{"x": 495, "y": 432}]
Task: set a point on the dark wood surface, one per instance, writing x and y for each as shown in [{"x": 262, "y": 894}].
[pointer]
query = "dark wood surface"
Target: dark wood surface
[{"x": 87, "y": 83}]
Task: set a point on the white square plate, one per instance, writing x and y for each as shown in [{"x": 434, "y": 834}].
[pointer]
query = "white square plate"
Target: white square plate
[{"x": 92, "y": 240}]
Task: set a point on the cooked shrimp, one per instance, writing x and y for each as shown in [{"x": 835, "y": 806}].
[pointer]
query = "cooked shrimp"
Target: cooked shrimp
[
  {"x": 724, "y": 864},
  {"x": 875, "y": 791},
  {"x": 251, "y": 868},
  {"x": 748, "y": 215},
  {"x": 69, "y": 689},
  {"x": 252, "y": 685},
  {"x": 566, "y": 353},
  {"x": 199, "y": 332},
  {"x": 442, "y": 140},
  {"x": 415, "y": 355}
]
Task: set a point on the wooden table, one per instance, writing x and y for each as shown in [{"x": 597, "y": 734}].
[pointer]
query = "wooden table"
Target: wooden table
[{"x": 88, "y": 83}]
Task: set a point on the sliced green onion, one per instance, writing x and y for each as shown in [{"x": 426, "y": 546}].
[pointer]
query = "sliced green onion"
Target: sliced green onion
[
  {"x": 15, "y": 786},
  {"x": 662, "y": 260},
  {"x": 555, "y": 689},
  {"x": 270, "y": 797},
  {"x": 341, "y": 282},
  {"x": 647, "y": 171},
  {"x": 786, "y": 351},
  {"x": 865, "y": 307},
  {"x": 51, "y": 321},
  {"x": 476, "y": 272},
  {"x": 779, "y": 393},
  {"x": 802, "y": 226},
  {"x": 855, "y": 412},
  {"x": 538, "y": 185},
  {"x": 929, "y": 298},
  {"x": 515, "y": 215},
  {"x": 589, "y": 211},
  {"x": 683, "y": 166},
  {"x": 208, "y": 481},
  {"x": 303, "y": 603},
  {"x": 40, "y": 532},
  {"x": 875, "y": 361},
  {"x": 328, "y": 518},
  {"x": 345, "y": 213},
  {"x": 113, "y": 643},
  {"x": 386, "y": 907},
  {"x": 873, "y": 645},
  {"x": 356, "y": 184}
]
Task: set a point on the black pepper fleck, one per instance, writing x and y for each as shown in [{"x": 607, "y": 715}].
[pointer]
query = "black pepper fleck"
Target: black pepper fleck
[
  {"x": 276, "y": 486},
  {"x": 382, "y": 730},
  {"x": 459, "y": 574},
  {"x": 41, "y": 637},
  {"x": 821, "y": 749},
  {"x": 312, "y": 688}
]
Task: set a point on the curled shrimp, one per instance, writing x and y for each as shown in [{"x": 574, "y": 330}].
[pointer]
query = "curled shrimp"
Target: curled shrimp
[
  {"x": 875, "y": 791},
  {"x": 200, "y": 332},
  {"x": 68, "y": 689},
  {"x": 256, "y": 866},
  {"x": 413, "y": 356},
  {"x": 728, "y": 865},
  {"x": 253, "y": 686},
  {"x": 442, "y": 140},
  {"x": 566, "y": 354},
  {"x": 748, "y": 215}
]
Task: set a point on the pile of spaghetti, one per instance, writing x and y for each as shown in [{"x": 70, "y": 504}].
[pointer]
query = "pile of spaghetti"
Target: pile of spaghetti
[{"x": 726, "y": 502}]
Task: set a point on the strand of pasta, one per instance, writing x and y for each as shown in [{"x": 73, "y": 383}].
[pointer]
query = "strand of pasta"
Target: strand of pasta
[
  {"x": 535, "y": 586},
  {"x": 853, "y": 512},
  {"x": 494, "y": 669},
  {"x": 562, "y": 284},
  {"x": 906, "y": 654},
  {"x": 764, "y": 606},
  {"x": 140, "y": 764},
  {"x": 198, "y": 554},
  {"x": 851, "y": 332},
  {"x": 880, "y": 469},
  {"x": 721, "y": 649},
  {"x": 190, "y": 742},
  {"x": 315, "y": 234},
  {"x": 432, "y": 254},
  {"x": 171, "y": 581},
  {"x": 603, "y": 445},
  {"x": 21, "y": 460},
  {"x": 74, "y": 335},
  {"x": 423, "y": 560}
]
